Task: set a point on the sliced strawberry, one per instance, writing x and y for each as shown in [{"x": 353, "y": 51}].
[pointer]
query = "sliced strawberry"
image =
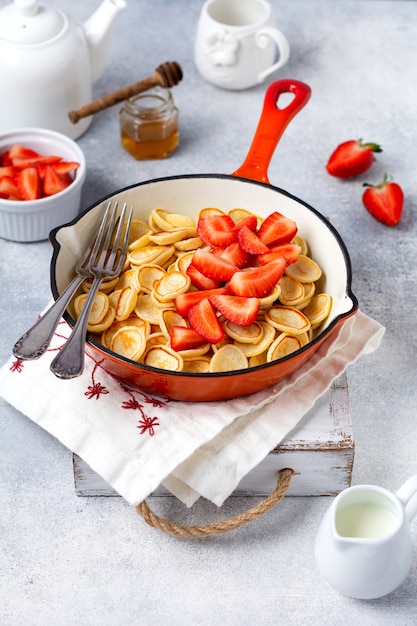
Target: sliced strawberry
[
  {"x": 28, "y": 183},
  {"x": 183, "y": 338},
  {"x": 277, "y": 228},
  {"x": 5, "y": 160},
  {"x": 252, "y": 261},
  {"x": 41, "y": 167},
  {"x": 235, "y": 254},
  {"x": 257, "y": 282},
  {"x": 52, "y": 171},
  {"x": 213, "y": 266},
  {"x": 237, "y": 309},
  {"x": 17, "y": 151},
  {"x": 251, "y": 222},
  {"x": 216, "y": 230},
  {"x": 184, "y": 301},
  {"x": 250, "y": 241},
  {"x": 54, "y": 183},
  {"x": 199, "y": 280},
  {"x": 33, "y": 161},
  {"x": 289, "y": 251},
  {"x": 7, "y": 170},
  {"x": 65, "y": 167},
  {"x": 203, "y": 319},
  {"x": 8, "y": 189}
]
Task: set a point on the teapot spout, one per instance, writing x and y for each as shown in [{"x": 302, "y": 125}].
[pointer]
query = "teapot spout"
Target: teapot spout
[{"x": 97, "y": 30}]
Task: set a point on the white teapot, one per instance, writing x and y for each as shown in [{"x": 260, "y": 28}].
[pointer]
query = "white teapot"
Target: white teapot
[{"x": 48, "y": 64}]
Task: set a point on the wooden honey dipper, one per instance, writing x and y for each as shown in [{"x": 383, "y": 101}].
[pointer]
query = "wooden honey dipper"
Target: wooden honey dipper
[{"x": 167, "y": 74}]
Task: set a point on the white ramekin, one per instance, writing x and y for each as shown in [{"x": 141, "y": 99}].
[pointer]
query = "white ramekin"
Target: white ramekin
[{"x": 32, "y": 220}]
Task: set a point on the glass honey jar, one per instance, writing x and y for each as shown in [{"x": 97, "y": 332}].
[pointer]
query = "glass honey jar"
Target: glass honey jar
[{"x": 149, "y": 124}]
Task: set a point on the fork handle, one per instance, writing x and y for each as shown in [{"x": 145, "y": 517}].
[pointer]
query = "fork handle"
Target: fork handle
[
  {"x": 36, "y": 340},
  {"x": 69, "y": 362}
]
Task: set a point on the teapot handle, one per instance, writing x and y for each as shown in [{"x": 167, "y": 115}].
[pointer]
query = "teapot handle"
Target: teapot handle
[{"x": 408, "y": 496}]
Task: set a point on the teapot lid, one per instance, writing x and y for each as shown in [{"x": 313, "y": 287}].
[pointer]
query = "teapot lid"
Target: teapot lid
[{"x": 28, "y": 22}]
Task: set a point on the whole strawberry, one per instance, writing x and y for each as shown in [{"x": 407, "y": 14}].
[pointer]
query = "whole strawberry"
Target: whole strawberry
[
  {"x": 352, "y": 158},
  {"x": 384, "y": 201}
]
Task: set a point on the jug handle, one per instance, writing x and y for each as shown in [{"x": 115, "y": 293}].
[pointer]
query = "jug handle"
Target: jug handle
[
  {"x": 272, "y": 123},
  {"x": 408, "y": 496}
]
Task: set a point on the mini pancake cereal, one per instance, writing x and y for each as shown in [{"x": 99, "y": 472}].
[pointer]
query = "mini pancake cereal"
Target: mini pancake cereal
[
  {"x": 270, "y": 307},
  {"x": 129, "y": 341},
  {"x": 228, "y": 358}
]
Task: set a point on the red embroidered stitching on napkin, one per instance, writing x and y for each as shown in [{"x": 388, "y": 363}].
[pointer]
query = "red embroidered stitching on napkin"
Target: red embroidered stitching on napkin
[{"x": 96, "y": 389}]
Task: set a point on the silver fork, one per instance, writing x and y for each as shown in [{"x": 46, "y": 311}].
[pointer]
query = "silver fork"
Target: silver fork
[
  {"x": 106, "y": 260},
  {"x": 36, "y": 340}
]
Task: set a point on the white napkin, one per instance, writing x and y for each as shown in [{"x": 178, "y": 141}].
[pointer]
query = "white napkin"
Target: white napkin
[{"x": 136, "y": 442}]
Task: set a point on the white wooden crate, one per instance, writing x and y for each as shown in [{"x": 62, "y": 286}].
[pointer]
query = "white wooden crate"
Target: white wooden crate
[{"x": 321, "y": 449}]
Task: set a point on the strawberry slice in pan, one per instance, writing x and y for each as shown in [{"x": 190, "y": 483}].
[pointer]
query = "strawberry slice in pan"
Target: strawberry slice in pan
[
  {"x": 250, "y": 242},
  {"x": 204, "y": 321},
  {"x": 199, "y": 280},
  {"x": 256, "y": 283},
  {"x": 216, "y": 230},
  {"x": 183, "y": 338},
  {"x": 289, "y": 251},
  {"x": 277, "y": 228},
  {"x": 237, "y": 309},
  {"x": 213, "y": 266},
  {"x": 185, "y": 301},
  {"x": 251, "y": 222},
  {"x": 233, "y": 253}
]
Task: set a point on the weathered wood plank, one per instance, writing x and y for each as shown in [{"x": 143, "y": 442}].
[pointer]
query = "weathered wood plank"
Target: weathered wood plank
[{"x": 321, "y": 449}]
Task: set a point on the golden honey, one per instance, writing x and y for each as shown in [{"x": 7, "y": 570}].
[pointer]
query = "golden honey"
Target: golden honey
[{"x": 149, "y": 125}]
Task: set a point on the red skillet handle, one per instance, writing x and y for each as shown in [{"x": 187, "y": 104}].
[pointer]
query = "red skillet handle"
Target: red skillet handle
[{"x": 271, "y": 126}]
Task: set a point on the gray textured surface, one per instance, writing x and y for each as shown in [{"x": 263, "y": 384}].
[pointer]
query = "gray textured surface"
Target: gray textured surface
[{"x": 67, "y": 560}]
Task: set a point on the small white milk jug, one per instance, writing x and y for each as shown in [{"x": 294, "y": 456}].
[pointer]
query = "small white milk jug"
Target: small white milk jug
[{"x": 363, "y": 546}]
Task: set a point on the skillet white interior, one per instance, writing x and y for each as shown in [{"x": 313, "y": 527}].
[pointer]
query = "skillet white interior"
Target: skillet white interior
[{"x": 188, "y": 195}]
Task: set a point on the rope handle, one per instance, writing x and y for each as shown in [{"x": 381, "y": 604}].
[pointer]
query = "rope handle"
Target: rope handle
[{"x": 216, "y": 528}]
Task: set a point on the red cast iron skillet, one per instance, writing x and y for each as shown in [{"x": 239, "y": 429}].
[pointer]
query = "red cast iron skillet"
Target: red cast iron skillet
[{"x": 248, "y": 187}]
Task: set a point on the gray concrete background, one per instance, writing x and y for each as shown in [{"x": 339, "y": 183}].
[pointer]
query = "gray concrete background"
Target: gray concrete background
[{"x": 72, "y": 561}]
